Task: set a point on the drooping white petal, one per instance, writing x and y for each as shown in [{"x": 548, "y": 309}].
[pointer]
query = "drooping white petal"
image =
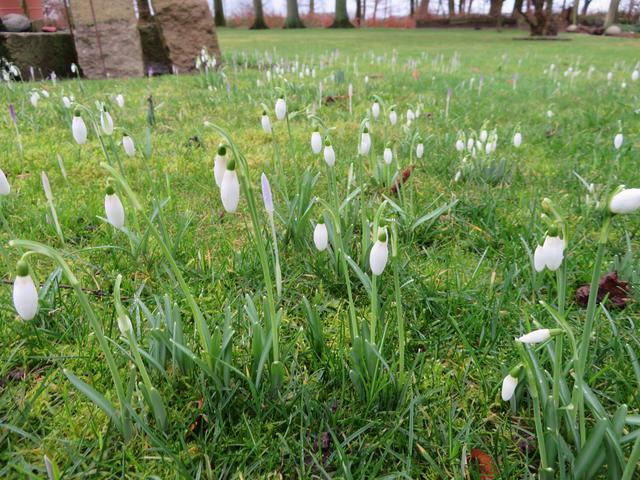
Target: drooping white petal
[
  {"x": 459, "y": 145},
  {"x": 128, "y": 145},
  {"x": 266, "y": 124},
  {"x": 25, "y": 297},
  {"x": 5, "y": 188},
  {"x": 536, "y": 336},
  {"x": 114, "y": 210},
  {"x": 329, "y": 155},
  {"x": 375, "y": 109},
  {"x": 79, "y": 130},
  {"x": 393, "y": 117},
  {"x": 517, "y": 140},
  {"x": 539, "y": 259},
  {"x": 420, "y": 150},
  {"x": 378, "y": 257},
  {"x": 388, "y": 156},
  {"x": 106, "y": 122},
  {"x": 626, "y": 201},
  {"x": 509, "y": 385},
  {"x": 365, "y": 143},
  {"x": 267, "y": 198},
  {"x": 554, "y": 252},
  {"x": 230, "y": 191},
  {"x": 320, "y": 237},
  {"x": 316, "y": 142},
  {"x": 120, "y": 100},
  {"x": 617, "y": 141},
  {"x": 219, "y": 167},
  {"x": 281, "y": 109}
]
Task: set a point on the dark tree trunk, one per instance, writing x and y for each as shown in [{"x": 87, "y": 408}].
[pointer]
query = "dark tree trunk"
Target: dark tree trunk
[
  {"x": 218, "y": 15},
  {"x": 452, "y": 8},
  {"x": 293, "y": 17},
  {"x": 423, "y": 9},
  {"x": 412, "y": 8},
  {"x": 312, "y": 7},
  {"x": 461, "y": 7},
  {"x": 517, "y": 8},
  {"x": 341, "y": 19},
  {"x": 540, "y": 20},
  {"x": 258, "y": 22},
  {"x": 585, "y": 6},
  {"x": 358, "y": 12}
]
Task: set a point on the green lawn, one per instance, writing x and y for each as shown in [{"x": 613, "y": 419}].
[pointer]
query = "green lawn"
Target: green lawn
[{"x": 460, "y": 276}]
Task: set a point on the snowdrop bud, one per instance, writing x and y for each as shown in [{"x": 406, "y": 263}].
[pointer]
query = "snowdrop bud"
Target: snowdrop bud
[
  {"x": 488, "y": 148},
  {"x": 220, "y": 164},
  {"x": 281, "y": 108},
  {"x": 549, "y": 114},
  {"x": 393, "y": 117},
  {"x": 25, "y": 294},
  {"x": 79, "y": 129},
  {"x": 537, "y": 336},
  {"x": 517, "y": 140},
  {"x": 509, "y": 384},
  {"x": 66, "y": 102},
  {"x": 410, "y": 116},
  {"x": 114, "y": 209},
  {"x": 617, "y": 141},
  {"x": 230, "y": 188},
  {"x": 267, "y": 198},
  {"x": 350, "y": 91},
  {"x": 387, "y": 155},
  {"x": 316, "y": 142},
  {"x": 320, "y": 236},
  {"x": 635, "y": 75},
  {"x": 124, "y": 325},
  {"x": 457, "y": 176},
  {"x": 470, "y": 144},
  {"x": 550, "y": 254},
  {"x": 375, "y": 109},
  {"x": 625, "y": 201},
  {"x": 128, "y": 145},
  {"x": 420, "y": 150},
  {"x": 459, "y": 145},
  {"x": 5, "y": 188},
  {"x": 329, "y": 154},
  {"x": 120, "y": 100},
  {"x": 609, "y": 76},
  {"x": 106, "y": 122},
  {"x": 365, "y": 142},
  {"x": 483, "y": 136},
  {"x": 379, "y": 253},
  {"x": 266, "y": 124},
  {"x": 34, "y": 99}
]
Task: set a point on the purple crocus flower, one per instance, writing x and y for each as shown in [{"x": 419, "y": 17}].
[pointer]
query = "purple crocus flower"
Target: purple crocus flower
[
  {"x": 266, "y": 195},
  {"x": 12, "y": 114}
]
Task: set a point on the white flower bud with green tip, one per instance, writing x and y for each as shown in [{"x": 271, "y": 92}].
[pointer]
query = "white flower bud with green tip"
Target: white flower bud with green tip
[
  {"x": 220, "y": 164},
  {"x": 230, "y": 188},
  {"x": 5, "y": 188},
  {"x": 483, "y": 136},
  {"x": 460, "y": 145},
  {"x": 281, "y": 108},
  {"x": 266, "y": 123},
  {"x": 509, "y": 384},
  {"x": 420, "y": 150},
  {"x": 365, "y": 142},
  {"x": 113, "y": 208},
  {"x": 25, "y": 293},
  {"x": 635, "y": 75},
  {"x": 124, "y": 325},
  {"x": 517, "y": 140},
  {"x": 320, "y": 236},
  {"x": 106, "y": 122},
  {"x": 379, "y": 253},
  {"x": 66, "y": 102},
  {"x": 375, "y": 109},
  {"x": 79, "y": 129},
  {"x": 617, "y": 141},
  {"x": 316, "y": 142},
  {"x": 120, "y": 100},
  {"x": 625, "y": 201},
  {"x": 537, "y": 336},
  {"x": 393, "y": 117},
  {"x": 128, "y": 145},
  {"x": 387, "y": 154},
  {"x": 329, "y": 154}
]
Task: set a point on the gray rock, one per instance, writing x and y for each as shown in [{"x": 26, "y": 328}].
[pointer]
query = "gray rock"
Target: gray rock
[
  {"x": 14, "y": 22},
  {"x": 613, "y": 30},
  {"x": 572, "y": 28}
]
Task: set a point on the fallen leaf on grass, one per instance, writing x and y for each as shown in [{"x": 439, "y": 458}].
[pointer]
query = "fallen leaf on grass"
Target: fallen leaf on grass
[
  {"x": 402, "y": 179},
  {"x": 616, "y": 289},
  {"x": 484, "y": 463}
]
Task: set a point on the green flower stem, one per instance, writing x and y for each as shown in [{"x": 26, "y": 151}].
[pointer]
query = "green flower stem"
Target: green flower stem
[
  {"x": 395, "y": 257},
  {"x": 276, "y": 254}
]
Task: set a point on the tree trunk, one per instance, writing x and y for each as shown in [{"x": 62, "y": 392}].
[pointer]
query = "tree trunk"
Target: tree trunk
[
  {"x": 258, "y": 21},
  {"x": 517, "y": 8},
  {"x": 611, "y": 13},
  {"x": 423, "y": 9},
  {"x": 469, "y": 7},
  {"x": 218, "y": 16},
  {"x": 452, "y": 8},
  {"x": 585, "y": 6},
  {"x": 495, "y": 11},
  {"x": 358, "y": 12},
  {"x": 293, "y": 17},
  {"x": 312, "y": 7},
  {"x": 461, "y": 7},
  {"x": 540, "y": 20},
  {"x": 341, "y": 19},
  {"x": 574, "y": 12}
]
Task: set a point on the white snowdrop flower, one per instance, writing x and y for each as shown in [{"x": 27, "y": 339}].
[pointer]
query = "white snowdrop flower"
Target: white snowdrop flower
[
  {"x": 457, "y": 176},
  {"x": 549, "y": 114},
  {"x": 281, "y": 108},
  {"x": 393, "y": 117},
  {"x": 550, "y": 254},
  {"x": 366, "y": 79},
  {"x": 387, "y": 155},
  {"x": 120, "y": 100},
  {"x": 230, "y": 188},
  {"x": 266, "y": 124},
  {"x": 74, "y": 68},
  {"x": 25, "y": 293},
  {"x": 124, "y": 325},
  {"x": 66, "y": 101},
  {"x": 470, "y": 144},
  {"x": 488, "y": 148},
  {"x": 609, "y": 76},
  {"x": 537, "y": 336},
  {"x": 635, "y": 75},
  {"x": 617, "y": 141},
  {"x": 625, "y": 201},
  {"x": 365, "y": 142},
  {"x": 113, "y": 208},
  {"x": 128, "y": 145},
  {"x": 5, "y": 188},
  {"x": 34, "y": 99},
  {"x": 517, "y": 140},
  {"x": 79, "y": 129},
  {"x": 320, "y": 236},
  {"x": 316, "y": 142},
  {"x": 483, "y": 136},
  {"x": 379, "y": 253},
  {"x": 220, "y": 164},
  {"x": 106, "y": 122},
  {"x": 375, "y": 109},
  {"x": 459, "y": 145},
  {"x": 419, "y": 150},
  {"x": 329, "y": 154},
  {"x": 45, "y": 93},
  {"x": 623, "y": 85},
  {"x": 410, "y": 116},
  {"x": 509, "y": 384},
  {"x": 479, "y": 145}
]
